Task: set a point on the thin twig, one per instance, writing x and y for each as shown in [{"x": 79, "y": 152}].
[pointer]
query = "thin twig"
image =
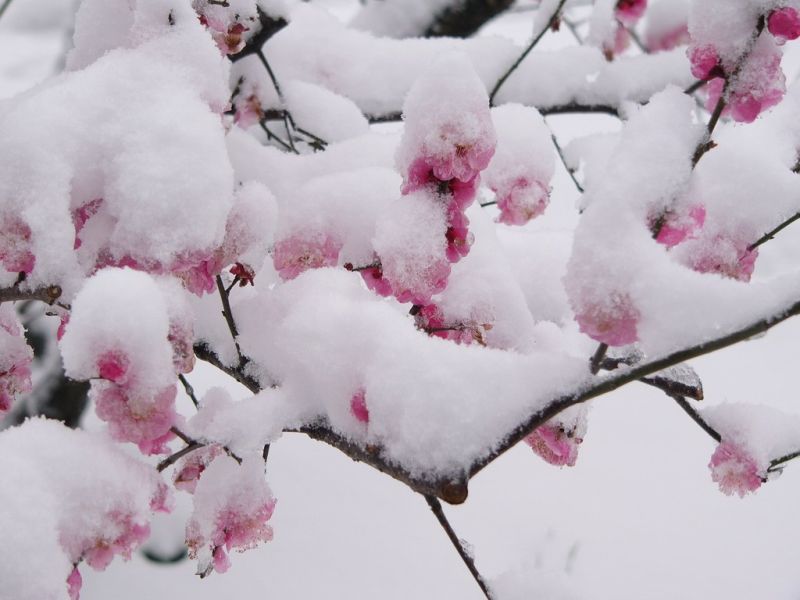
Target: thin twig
[
  {"x": 173, "y": 458},
  {"x": 436, "y": 507},
  {"x": 771, "y": 234},
  {"x": 597, "y": 358},
  {"x": 228, "y": 314},
  {"x": 188, "y": 389},
  {"x": 570, "y": 171},
  {"x": 272, "y": 136},
  {"x": 696, "y": 86},
  {"x": 48, "y": 294},
  {"x": 696, "y": 417},
  {"x": 4, "y": 6},
  {"x": 531, "y": 46},
  {"x": 776, "y": 464}
]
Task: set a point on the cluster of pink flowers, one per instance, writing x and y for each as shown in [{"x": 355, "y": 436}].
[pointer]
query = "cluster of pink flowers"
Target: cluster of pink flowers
[
  {"x": 233, "y": 505},
  {"x": 302, "y": 251},
  {"x": 759, "y": 83},
  {"x": 612, "y": 322},
  {"x": 734, "y": 470},
  {"x": 15, "y": 358}
]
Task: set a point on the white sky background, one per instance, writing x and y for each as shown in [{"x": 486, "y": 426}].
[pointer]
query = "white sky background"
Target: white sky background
[{"x": 637, "y": 518}]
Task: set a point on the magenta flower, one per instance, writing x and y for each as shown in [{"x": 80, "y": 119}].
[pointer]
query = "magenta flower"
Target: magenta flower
[
  {"x": 554, "y": 444},
  {"x": 373, "y": 277},
  {"x": 74, "y": 584},
  {"x": 704, "y": 61},
  {"x": 677, "y": 227},
  {"x": 734, "y": 470},
  {"x": 358, "y": 406},
  {"x": 784, "y": 24}
]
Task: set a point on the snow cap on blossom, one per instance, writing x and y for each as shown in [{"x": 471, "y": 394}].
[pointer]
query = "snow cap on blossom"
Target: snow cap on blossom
[
  {"x": 677, "y": 226},
  {"x": 86, "y": 500},
  {"x": 448, "y": 131},
  {"x": 611, "y": 321},
  {"x": 232, "y": 505},
  {"x": 16, "y": 254},
  {"x": 722, "y": 254},
  {"x": 784, "y": 24},
  {"x": 523, "y": 164},
  {"x": 15, "y": 358},
  {"x": 229, "y": 23},
  {"x": 410, "y": 241},
  {"x": 190, "y": 468},
  {"x": 557, "y": 440},
  {"x": 120, "y": 323},
  {"x": 734, "y": 470},
  {"x": 630, "y": 11},
  {"x": 431, "y": 320}
]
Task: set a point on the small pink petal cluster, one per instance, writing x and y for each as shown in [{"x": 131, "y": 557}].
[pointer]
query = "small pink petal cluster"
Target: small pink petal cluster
[
  {"x": 430, "y": 319},
  {"x": 74, "y": 584},
  {"x": 784, "y": 24},
  {"x": 613, "y": 322},
  {"x": 16, "y": 254},
  {"x": 302, "y": 251},
  {"x": 137, "y": 415},
  {"x": 427, "y": 280},
  {"x": 629, "y": 12},
  {"x": 232, "y": 505},
  {"x": 554, "y": 444},
  {"x": 248, "y": 111},
  {"x": 181, "y": 338},
  {"x": 190, "y": 468},
  {"x": 725, "y": 255},
  {"x": 523, "y": 200},
  {"x": 15, "y": 358},
  {"x": 228, "y": 35},
  {"x": 759, "y": 85},
  {"x": 667, "y": 40},
  {"x": 81, "y": 215},
  {"x": 734, "y": 470},
  {"x": 675, "y": 226},
  {"x": 358, "y": 406}
]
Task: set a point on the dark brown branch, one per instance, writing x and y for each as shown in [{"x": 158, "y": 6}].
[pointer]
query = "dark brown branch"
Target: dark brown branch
[
  {"x": 205, "y": 353},
  {"x": 436, "y": 507},
  {"x": 771, "y": 234},
  {"x": 4, "y": 7},
  {"x": 269, "y": 27},
  {"x": 597, "y": 359},
  {"x": 570, "y": 171},
  {"x": 173, "y": 458},
  {"x": 48, "y": 294},
  {"x": 777, "y": 463},
  {"x": 695, "y": 86},
  {"x": 696, "y": 417},
  {"x": 672, "y": 387},
  {"x": 464, "y": 18},
  {"x": 612, "y": 383},
  {"x": 571, "y": 108},
  {"x": 552, "y": 21},
  {"x": 188, "y": 389},
  {"x": 228, "y": 314}
]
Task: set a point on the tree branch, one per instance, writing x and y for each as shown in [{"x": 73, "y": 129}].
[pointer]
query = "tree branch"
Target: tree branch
[
  {"x": 436, "y": 507},
  {"x": 771, "y": 234},
  {"x": 531, "y": 46},
  {"x": 47, "y": 294}
]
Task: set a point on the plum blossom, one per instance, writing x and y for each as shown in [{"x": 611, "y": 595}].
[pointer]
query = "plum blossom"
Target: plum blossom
[
  {"x": 629, "y": 12},
  {"x": 784, "y": 24},
  {"x": 232, "y": 507},
  {"x": 557, "y": 440},
  {"x": 725, "y": 255},
  {"x": 225, "y": 23},
  {"x": 705, "y": 61},
  {"x": 734, "y": 470},
  {"x": 302, "y": 251},
  {"x": 190, "y": 468},
  {"x": 15, "y": 358},
  {"x": 74, "y": 584},
  {"x": 430, "y": 319},
  {"x": 358, "y": 406},
  {"x": 676, "y": 226},
  {"x": 248, "y": 111},
  {"x": 612, "y": 322},
  {"x": 523, "y": 200},
  {"x": 667, "y": 40},
  {"x": 15, "y": 245},
  {"x": 136, "y": 415}
]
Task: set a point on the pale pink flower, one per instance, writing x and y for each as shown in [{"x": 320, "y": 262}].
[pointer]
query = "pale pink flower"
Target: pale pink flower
[
  {"x": 229, "y": 37},
  {"x": 612, "y": 322},
  {"x": 416, "y": 283},
  {"x": 523, "y": 200},
  {"x": 15, "y": 358},
  {"x": 667, "y": 40},
  {"x": 181, "y": 338},
  {"x": 726, "y": 256},
  {"x": 113, "y": 366},
  {"x": 734, "y": 470},
  {"x": 248, "y": 112},
  {"x": 81, "y": 215},
  {"x": 139, "y": 417},
  {"x": 373, "y": 277},
  {"x": 679, "y": 226},
  {"x": 630, "y": 11},
  {"x": 128, "y": 535},
  {"x": 358, "y": 406},
  {"x": 554, "y": 444},
  {"x": 190, "y": 468},
  {"x": 784, "y": 24},
  {"x": 197, "y": 271},
  {"x": 299, "y": 252},
  {"x": 74, "y": 584},
  {"x": 16, "y": 254}
]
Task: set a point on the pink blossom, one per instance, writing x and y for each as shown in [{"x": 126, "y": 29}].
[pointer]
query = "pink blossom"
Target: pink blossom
[
  {"x": 725, "y": 256},
  {"x": 459, "y": 237},
  {"x": 784, "y": 24},
  {"x": 431, "y": 319},
  {"x": 190, "y": 468},
  {"x": 630, "y": 11},
  {"x": 15, "y": 245},
  {"x": 82, "y": 214},
  {"x": 101, "y": 551},
  {"x": 113, "y": 366},
  {"x": 705, "y": 61},
  {"x": 15, "y": 358},
  {"x": 373, "y": 277},
  {"x": 181, "y": 338},
  {"x": 229, "y": 37},
  {"x": 248, "y": 112},
  {"x": 358, "y": 406},
  {"x": 418, "y": 282},
  {"x": 197, "y": 271},
  {"x": 734, "y": 470},
  {"x": 298, "y": 253},
  {"x": 244, "y": 272},
  {"x": 676, "y": 226},
  {"x": 554, "y": 444},
  {"x": 522, "y": 201},
  {"x": 162, "y": 501},
  {"x": 455, "y": 160},
  {"x": 669, "y": 39},
  {"x": 612, "y": 323},
  {"x": 138, "y": 417},
  {"x": 618, "y": 44},
  {"x": 74, "y": 584}
]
